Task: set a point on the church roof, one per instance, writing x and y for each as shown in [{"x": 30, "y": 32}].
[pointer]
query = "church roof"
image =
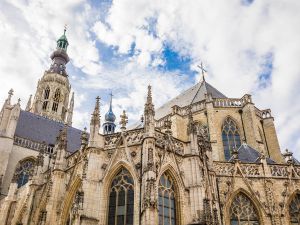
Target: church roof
[
  {"x": 192, "y": 95},
  {"x": 40, "y": 129},
  {"x": 247, "y": 154}
]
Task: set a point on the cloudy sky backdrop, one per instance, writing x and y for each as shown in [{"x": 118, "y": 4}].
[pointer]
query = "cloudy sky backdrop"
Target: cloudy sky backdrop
[{"x": 247, "y": 46}]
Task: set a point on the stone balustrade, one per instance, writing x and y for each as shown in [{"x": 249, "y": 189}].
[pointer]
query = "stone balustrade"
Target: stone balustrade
[
  {"x": 257, "y": 170},
  {"x": 263, "y": 114},
  {"x": 26, "y": 143}
]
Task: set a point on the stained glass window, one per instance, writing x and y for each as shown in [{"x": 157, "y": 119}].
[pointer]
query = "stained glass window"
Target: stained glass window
[
  {"x": 23, "y": 171},
  {"x": 121, "y": 199},
  {"x": 230, "y": 137},
  {"x": 295, "y": 210},
  {"x": 243, "y": 212},
  {"x": 166, "y": 201}
]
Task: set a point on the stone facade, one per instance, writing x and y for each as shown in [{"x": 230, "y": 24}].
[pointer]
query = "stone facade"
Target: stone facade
[{"x": 179, "y": 154}]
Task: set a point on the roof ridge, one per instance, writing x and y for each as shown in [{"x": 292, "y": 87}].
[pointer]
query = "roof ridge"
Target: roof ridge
[{"x": 203, "y": 82}]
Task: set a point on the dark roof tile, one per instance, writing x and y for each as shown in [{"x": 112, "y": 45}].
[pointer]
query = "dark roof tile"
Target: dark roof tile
[
  {"x": 40, "y": 129},
  {"x": 248, "y": 154}
]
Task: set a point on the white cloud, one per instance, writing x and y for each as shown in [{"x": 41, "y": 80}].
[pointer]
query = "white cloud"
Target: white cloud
[
  {"x": 233, "y": 41},
  {"x": 231, "y": 38}
]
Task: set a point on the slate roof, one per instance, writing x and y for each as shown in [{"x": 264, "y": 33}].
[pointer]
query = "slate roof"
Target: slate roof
[
  {"x": 248, "y": 154},
  {"x": 192, "y": 95},
  {"x": 38, "y": 128},
  {"x": 295, "y": 161}
]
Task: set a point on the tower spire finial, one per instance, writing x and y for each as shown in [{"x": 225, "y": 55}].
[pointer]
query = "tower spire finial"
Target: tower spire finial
[
  {"x": 10, "y": 94},
  {"x": 65, "y": 29},
  {"x": 110, "y": 103}
]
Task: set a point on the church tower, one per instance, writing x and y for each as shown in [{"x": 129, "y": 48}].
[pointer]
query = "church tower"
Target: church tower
[{"x": 52, "y": 95}]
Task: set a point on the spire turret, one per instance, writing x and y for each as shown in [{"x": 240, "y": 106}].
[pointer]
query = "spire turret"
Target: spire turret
[
  {"x": 70, "y": 111},
  {"x": 149, "y": 113},
  {"x": 109, "y": 124},
  {"x": 28, "y": 106},
  {"x": 95, "y": 121}
]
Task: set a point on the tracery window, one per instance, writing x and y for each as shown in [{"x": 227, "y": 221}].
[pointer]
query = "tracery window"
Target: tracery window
[
  {"x": 230, "y": 137},
  {"x": 46, "y": 97},
  {"x": 121, "y": 199},
  {"x": 166, "y": 201},
  {"x": 243, "y": 212},
  {"x": 295, "y": 210},
  {"x": 56, "y": 100},
  {"x": 23, "y": 171}
]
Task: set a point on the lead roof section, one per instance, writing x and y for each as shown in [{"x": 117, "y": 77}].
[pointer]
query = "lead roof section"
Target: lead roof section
[
  {"x": 40, "y": 129},
  {"x": 192, "y": 95},
  {"x": 247, "y": 154}
]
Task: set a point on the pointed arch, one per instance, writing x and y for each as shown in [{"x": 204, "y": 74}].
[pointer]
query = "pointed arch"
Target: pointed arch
[
  {"x": 170, "y": 185},
  {"x": 121, "y": 199},
  {"x": 231, "y": 137},
  {"x": 293, "y": 208},
  {"x": 242, "y": 208},
  {"x": 24, "y": 170},
  {"x": 68, "y": 200}
]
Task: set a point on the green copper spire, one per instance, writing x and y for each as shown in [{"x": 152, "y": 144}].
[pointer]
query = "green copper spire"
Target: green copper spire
[{"x": 62, "y": 42}]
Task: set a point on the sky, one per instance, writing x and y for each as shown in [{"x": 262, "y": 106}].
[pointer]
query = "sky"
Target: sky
[{"x": 247, "y": 46}]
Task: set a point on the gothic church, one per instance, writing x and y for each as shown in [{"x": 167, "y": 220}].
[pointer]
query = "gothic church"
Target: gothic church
[{"x": 201, "y": 158}]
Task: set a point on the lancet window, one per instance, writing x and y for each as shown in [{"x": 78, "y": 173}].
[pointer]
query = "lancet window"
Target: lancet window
[
  {"x": 166, "y": 201},
  {"x": 243, "y": 212},
  {"x": 23, "y": 171},
  {"x": 121, "y": 199},
  {"x": 46, "y": 98},
  {"x": 230, "y": 137},
  {"x": 295, "y": 210},
  {"x": 56, "y": 100}
]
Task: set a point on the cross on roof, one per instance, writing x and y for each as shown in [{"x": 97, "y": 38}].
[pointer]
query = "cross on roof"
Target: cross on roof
[{"x": 202, "y": 70}]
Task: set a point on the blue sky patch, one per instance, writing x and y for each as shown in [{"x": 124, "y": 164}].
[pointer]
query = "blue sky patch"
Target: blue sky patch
[
  {"x": 247, "y": 2},
  {"x": 266, "y": 72},
  {"x": 174, "y": 61}
]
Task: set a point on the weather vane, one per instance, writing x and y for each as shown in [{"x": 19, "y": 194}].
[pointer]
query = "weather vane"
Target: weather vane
[
  {"x": 202, "y": 70},
  {"x": 65, "y": 28}
]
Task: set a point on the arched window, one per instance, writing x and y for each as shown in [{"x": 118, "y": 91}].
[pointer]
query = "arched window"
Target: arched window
[
  {"x": 166, "y": 201},
  {"x": 230, "y": 137},
  {"x": 242, "y": 211},
  {"x": 295, "y": 210},
  {"x": 46, "y": 97},
  {"x": 121, "y": 199},
  {"x": 23, "y": 171},
  {"x": 47, "y": 93},
  {"x": 56, "y": 100}
]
